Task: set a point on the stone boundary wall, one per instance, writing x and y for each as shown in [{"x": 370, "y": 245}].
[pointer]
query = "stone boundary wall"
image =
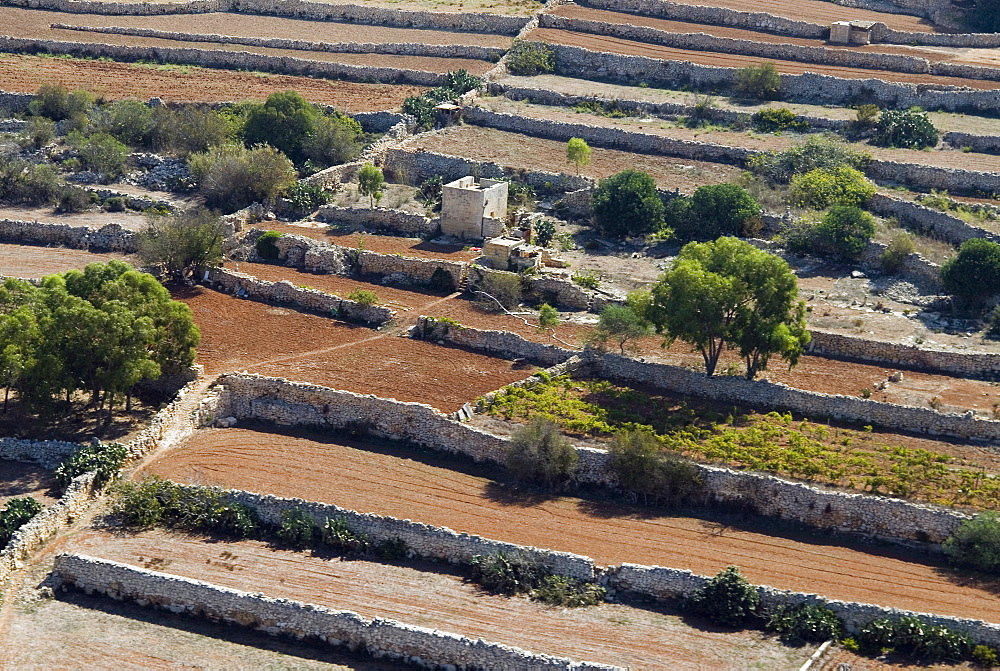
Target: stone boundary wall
[
  {"x": 379, "y": 122},
  {"x": 237, "y": 60},
  {"x": 928, "y": 177},
  {"x": 46, "y": 453},
  {"x": 111, "y": 237},
  {"x": 381, "y": 638},
  {"x": 985, "y": 144},
  {"x": 314, "y": 300},
  {"x": 543, "y": 289},
  {"x": 770, "y": 23},
  {"x": 668, "y": 583},
  {"x": 502, "y": 344},
  {"x": 380, "y": 218},
  {"x": 701, "y": 41},
  {"x": 274, "y": 400},
  {"x": 927, "y": 220},
  {"x": 808, "y": 87},
  {"x": 924, "y": 274},
  {"x": 15, "y": 103},
  {"x": 397, "y": 48}
]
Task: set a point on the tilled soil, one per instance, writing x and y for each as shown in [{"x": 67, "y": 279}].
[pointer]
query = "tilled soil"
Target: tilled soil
[
  {"x": 239, "y": 334},
  {"x": 632, "y": 48},
  {"x": 383, "y": 244},
  {"x": 412, "y": 485},
  {"x": 29, "y": 261},
  {"x": 432, "y": 595},
  {"x": 131, "y": 220},
  {"x": 110, "y": 80}
]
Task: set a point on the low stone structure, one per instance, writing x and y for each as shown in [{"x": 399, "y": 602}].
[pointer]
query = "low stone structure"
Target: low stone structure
[
  {"x": 922, "y": 219},
  {"x": 111, "y": 237},
  {"x": 389, "y": 220},
  {"x": 474, "y": 209}
]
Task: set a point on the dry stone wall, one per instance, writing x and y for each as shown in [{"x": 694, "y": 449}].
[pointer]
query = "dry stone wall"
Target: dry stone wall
[
  {"x": 379, "y": 637},
  {"x": 111, "y": 237},
  {"x": 986, "y": 144},
  {"x": 503, "y": 344},
  {"x": 15, "y": 103},
  {"x": 380, "y": 219},
  {"x": 922, "y": 219},
  {"x": 46, "y": 453}
]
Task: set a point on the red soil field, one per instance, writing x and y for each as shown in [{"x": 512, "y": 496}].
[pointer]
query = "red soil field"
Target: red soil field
[
  {"x": 29, "y": 261},
  {"x": 632, "y": 48},
  {"x": 113, "y": 81},
  {"x": 524, "y": 151},
  {"x": 383, "y": 244},
  {"x": 239, "y": 334},
  {"x": 590, "y": 14},
  {"x": 406, "y": 484},
  {"x": 436, "y": 597}
]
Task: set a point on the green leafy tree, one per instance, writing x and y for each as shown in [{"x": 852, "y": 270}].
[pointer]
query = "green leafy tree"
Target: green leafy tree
[
  {"x": 530, "y": 58},
  {"x": 20, "y": 339},
  {"x": 845, "y": 231},
  {"x": 333, "y": 139},
  {"x": 539, "y": 453},
  {"x": 976, "y": 543},
  {"x": 974, "y": 274},
  {"x": 727, "y": 293},
  {"x": 727, "y": 599},
  {"x": 577, "y": 153},
  {"x": 818, "y": 151},
  {"x": 548, "y": 317},
  {"x": 908, "y": 129},
  {"x": 184, "y": 243},
  {"x": 627, "y": 203},
  {"x": 760, "y": 82},
  {"x": 823, "y": 187},
  {"x": 231, "y": 177},
  {"x": 284, "y": 121},
  {"x": 714, "y": 210},
  {"x": 371, "y": 181},
  {"x": 620, "y": 324}
]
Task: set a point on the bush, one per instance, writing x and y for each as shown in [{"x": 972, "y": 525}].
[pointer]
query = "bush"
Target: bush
[
  {"x": 23, "y": 182},
  {"x": 908, "y": 129},
  {"x": 714, "y": 210},
  {"x": 545, "y": 231},
  {"x": 548, "y": 317},
  {"x": 900, "y": 246},
  {"x": 283, "y": 122},
  {"x": 520, "y": 196},
  {"x": 334, "y": 139},
  {"x": 976, "y": 543},
  {"x": 101, "y": 153},
  {"x": 501, "y": 573},
  {"x": 72, "y": 199},
  {"x": 297, "y": 529},
  {"x": 504, "y": 288},
  {"x": 106, "y": 459},
  {"x": 626, "y": 204},
  {"x": 985, "y": 656},
  {"x": 727, "y": 599},
  {"x": 55, "y": 102},
  {"x": 557, "y": 590},
  {"x": 40, "y": 131},
  {"x": 460, "y": 81},
  {"x": 305, "y": 198},
  {"x": 363, "y": 297},
  {"x": 823, "y": 187},
  {"x": 266, "y": 249},
  {"x": 231, "y": 177},
  {"x": 539, "y": 453},
  {"x": 974, "y": 274},
  {"x": 818, "y": 151},
  {"x": 772, "y": 119},
  {"x": 983, "y": 16},
  {"x": 15, "y": 515},
  {"x": 805, "y": 623},
  {"x": 114, "y": 204},
  {"x": 371, "y": 182},
  {"x": 760, "y": 82},
  {"x": 430, "y": 192},
  {"x": 187, "y": 129},
  {"x": 442, "y": 281},
  {"x": 128, "y": 121},
  {"x": 530, "y": 58},
  {"x": 336, "y": 535},
  {"x": 158, "y": 502},
  {"x": 644, "y": 467},
  {"x": 846, "y": 231},
  {"x": 910, "y": 636},
  {"x": 187, "y": 240}
]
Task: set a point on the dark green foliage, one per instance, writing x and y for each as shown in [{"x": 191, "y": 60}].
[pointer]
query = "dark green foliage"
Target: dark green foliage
[
  {"x": 626, "y": 204},
  {"x": 392, "y": 550},
  {"x": 158, "y": 502},
  {"x": 520, "y": 195},
  {"x": 298, "y": 529},
  {"x": 40, "y": 131},
  {"x": 727, "y": 599},
  {"x": 974, "y": 274},
  {"x": 758, "y": 82},
  {"x": 16, "y": 514},
  {"x": 55, "y": 102},
  {"x": 909, "y": 129},
  {"x": 333, "y": 139},
  {"x": 422, "y": 106},
  {"x": 72, "y": 199},
  {"x": 976, "y": 543},
  {"x": 503, "y": 291},
  {"x": 994, "y": 324},
  {"x": 545, "y": 230},
  {"x": 104, "y": 458},
  {"x": 187, "y": 129},
  {"x": 460, "y": 81},
  {"x": 265, "y": 246},
  {"x": 101, "y": 153},
  {"x": 983, "y": 16},
  {"x": 772, "y": 119},
  {"x": 644, "y": 468},
  {"x": 114, "y": 204},
  {"x": 539, "y": 453},
  {"x": 128, "y": 121},
  {"x": 430, "y": 192},
  {"x": 845, "y": 231},
  {"x": 342, "y": 540},
  {"x": 530, "y": 58},
  {"x": 185, "y": 241},
  {"x": 714, "y": 210},
  {"x": 619, "y": 324},
  {"x": 305, "y": 198},
  {"x": 557, "y": 590},
  {"x": 818, "y": 151},
  {"x": 912, "y": 637},
  {"x": 230, "y": 177},
  {"x": 28, "y": 183},
  {"x": 805, "y": 623},
  {"x": 501, "y": 573},
  {"x": 283, "y": 121}
]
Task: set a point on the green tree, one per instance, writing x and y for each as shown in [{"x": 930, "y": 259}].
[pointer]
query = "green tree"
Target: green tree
[
  {"x": 577, "y": 153},
  {"x": 908, "y": 129},
  {"x": 627, "y": 203},
  {"x": 284, "y": 121},
  {"x": 231, "y": 177},
  {"x": 620, "y": 324},
  {"x": 818, "y": 151},
  {"x": 727, "y": 599},
  {"x": 548, "y": 317},
  {"x": 976, "y": 543},
  {"x": 823, "y": 187},
  {"x": 714, "y": 210},
  {"x": 761, "y": 82},
  {"x": 333, "y": 139},
  {"x": 845, "y": 231},
  {"x": 539, "y": 453},
  {"x": 20, "y": 339},
  {"x": 974, "y": 274},
  {"x": 727, "y": 293},
  {"x": 530, "y": 58},
  {"x": 371, "y": 182},
  {"x": 101, "y": 153},
  {"x": 184, "y": 243}
]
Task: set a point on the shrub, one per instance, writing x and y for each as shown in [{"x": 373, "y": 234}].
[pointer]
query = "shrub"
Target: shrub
[
  {"x": 334, "y": 139},
  {"x": 846, "y": 231},
  {"x": 363, "y": 297},
  {"x": 900, "y": 246},
  {"x": 589, "y": 280},
  {"x": 265, "y": 246},
  {"x": 114, "y": 204},
  {"x": 55, "y": 102},
  {"x": 441, "y": 281},
  {"x": 627, "y": 203},
  {"x": 297, "y": 529},
  {"x": 501, "y": 573},
  {"x": 823, "y": 187},
  {"x": 974, "y": 274},
  {"x": 908, "y": 635},
  {"x": 548, "y": 317},
  {"x": 128, "y": 121},
  {"x": 336, "y": 534},
  {"x": 520, "y": 196},
  {"x": 190, "y": 239},
  {"x": 188, "y": 129},
  {"x": 760, "y": 82},
  {"x": 104, "y": 458},
  {"x": 158, "y": 502},
  {"x": 818, "y": 151},
  {"x": 231, "y": 177},
  {"x": 530, "y": 58},
  {"x": 539, "y": 453},
  {"x": 976, "y": 543},
  {"x": 643, "y": 467},
  {"x": 985, "y": 656},
  {"x": 983, "y": 16},
  {"x": 545, "y": 231},
  {"x": 714, "y": 210},
  {"x": 72, "y": 199},
  {"x": 460, "y": 81},
  {"x": 727, "y": 599},
  {"x": 909, "y": 129},
  {"x": 557, "y": 590},
  {"x": 504, "y": 288},
  {"x": 430, "y": 192},
  {"x": 305, "y": 198},
  {"x": 805, "y": 623},
  {"x": 101, "y": 153},
  {"x": 40, "y": 131},
  {"x": 15, "y": 515},
  {"x": 283, "y": 122},
  {"x": 772, "y": 119},
  {"x": 619, "y": 324}
]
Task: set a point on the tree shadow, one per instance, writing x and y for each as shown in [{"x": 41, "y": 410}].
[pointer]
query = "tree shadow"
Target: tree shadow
[
  {"x": 516, "y": 495},
  {"x": 962, "y": 577}
]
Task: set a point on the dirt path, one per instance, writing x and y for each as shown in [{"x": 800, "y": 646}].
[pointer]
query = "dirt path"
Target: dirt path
[{"x": 434, "y": 490}]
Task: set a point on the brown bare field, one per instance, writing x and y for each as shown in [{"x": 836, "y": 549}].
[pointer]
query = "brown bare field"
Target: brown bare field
[
  {"x": 133, "y": 221},
  {"x": 434, "y": 596},
  {"x": 508, "y": 7},
  {"x": 532, "y": 153},
  {"x": 239, "y": 334},
  {"x": 930, "y": 53},
  {"x": 383, "y": 244},
  {"x": 30, "y": 261},
  {"x": 632, "y": 48},
  {"x": 22, "y": 479},
  {"x": 113, "y": 81},
  {"x": 411, "y": 485}
]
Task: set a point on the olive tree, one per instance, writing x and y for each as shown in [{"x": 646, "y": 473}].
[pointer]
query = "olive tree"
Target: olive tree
[
  {"x": 371, "y": 182},
  {"x": 577, "y": 153},
  {"x": 974, "y": 274}
]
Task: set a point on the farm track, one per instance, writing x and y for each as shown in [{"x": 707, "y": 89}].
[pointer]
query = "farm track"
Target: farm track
[
  {"x": 432, "y": 490},
  {"x": 113, "y": 81},
  {"x": 604, "y": 43}
]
